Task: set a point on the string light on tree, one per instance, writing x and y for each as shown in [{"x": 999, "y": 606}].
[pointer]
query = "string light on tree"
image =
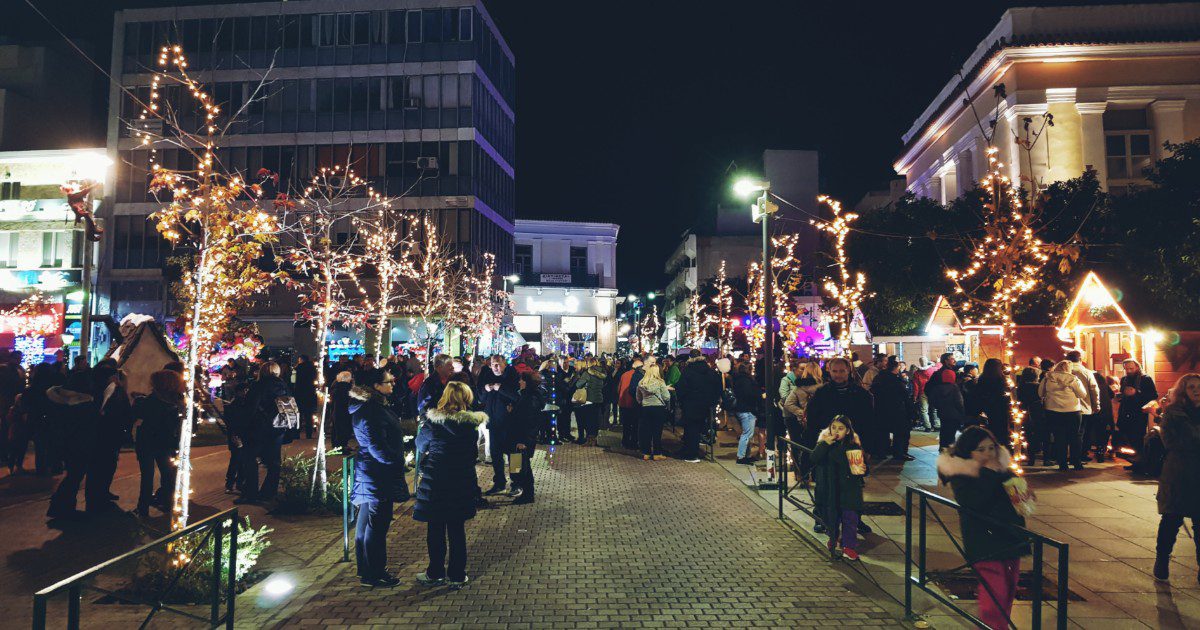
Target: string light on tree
[{"x": 848, "y": 290}]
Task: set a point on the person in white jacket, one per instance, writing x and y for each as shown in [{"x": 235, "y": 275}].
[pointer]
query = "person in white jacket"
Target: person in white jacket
[
  {"x": 1086, "y": 378},
  {"x": 1064, "y": 398}
]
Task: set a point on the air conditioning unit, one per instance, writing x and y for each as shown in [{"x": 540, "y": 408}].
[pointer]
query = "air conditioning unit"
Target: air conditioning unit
[
  {"x": 427, "y": 163},
  {"x": 456, "y": 202},
  {"x": 410, "y": 103}
]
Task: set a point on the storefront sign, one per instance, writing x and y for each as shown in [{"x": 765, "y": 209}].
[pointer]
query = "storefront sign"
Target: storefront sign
[
  {"x": 570, "y": 304},
  {"x": 556, "y": 278}
]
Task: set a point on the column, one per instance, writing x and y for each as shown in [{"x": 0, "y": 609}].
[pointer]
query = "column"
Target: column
[
  {"x": 1168, "y": 124},
  {"x": 1091, "y": 136},
  {"x": 933, "y": 188},
  {"x": 948, "y": 174}
]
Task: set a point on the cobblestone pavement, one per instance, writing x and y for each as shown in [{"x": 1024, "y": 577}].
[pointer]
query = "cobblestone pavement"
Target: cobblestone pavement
[{"x": 612, "y": 542}]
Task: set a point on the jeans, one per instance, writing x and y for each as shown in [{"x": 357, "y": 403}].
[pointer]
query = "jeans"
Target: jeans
[
  {"x": 485, "y": 439},
  {"x": 650, "y": 430},
  {"x": 629, "y": 423},
  {"x": 997, "y": 590},
  {"x": 436, "y": 535},
  {"x": 845, "y": 522},
  {"x": 370, "y": 540},
  {"x": 693, "y": 427},
  {"x": 1168, "y": 530},
  {"x": 928, "y": 415},
  {"x": 588, "y": 419},
  {"x": 147, "y": 462},
  {"x": 747, "y": 420},
  {"x": 1065, "y": 425}
]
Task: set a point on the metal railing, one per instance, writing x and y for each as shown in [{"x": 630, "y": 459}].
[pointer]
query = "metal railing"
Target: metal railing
[
  {"x": 787, "y": 490},
  {"x": 347, "y": 509},
  {"x": 925, "y": 499},
  {"x": 214, "y": 528}
]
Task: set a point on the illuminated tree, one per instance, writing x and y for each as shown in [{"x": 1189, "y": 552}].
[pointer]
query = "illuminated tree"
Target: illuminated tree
[
  {"x": 219, "y": 222},
  {"x": 787, "y": 279},
  {"x": 384, "y": 247},
  {"x": 437, "y": 273},
  {"x": 324, "y": 254},
  {"x": 723, "y": 305},
  {"x": 848, "y": 290},
  {"x": 648, "y": 330},
  {"x": 699, "y": 319}
]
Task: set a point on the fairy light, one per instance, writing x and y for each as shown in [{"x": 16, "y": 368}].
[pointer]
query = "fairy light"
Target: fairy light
[
  {"x": 699, "y": 319},
  {"x": 724, "y": 307},
  {"x": 787, "y": 277},
  {"x": 648, "y": 330},
  {"x": 1004, "y": 265},
  {"x": 848, "y": 290}
]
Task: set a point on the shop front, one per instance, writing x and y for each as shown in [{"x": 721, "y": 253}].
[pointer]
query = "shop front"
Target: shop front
[{"x": 566, "y": 321}]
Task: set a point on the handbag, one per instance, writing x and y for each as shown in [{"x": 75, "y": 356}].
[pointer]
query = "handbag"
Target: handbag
[
  {"x": 515, "y": 461},
  {"x": 288, "y": 414},
  {"x": 580, "y": 396}
]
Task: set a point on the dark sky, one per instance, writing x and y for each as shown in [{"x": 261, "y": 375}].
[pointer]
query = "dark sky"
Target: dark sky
[{"x": 630, "y": 112}]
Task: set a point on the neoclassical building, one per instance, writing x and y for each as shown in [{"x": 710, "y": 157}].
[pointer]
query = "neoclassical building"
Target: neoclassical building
[{"x": 1119, "y": 81}]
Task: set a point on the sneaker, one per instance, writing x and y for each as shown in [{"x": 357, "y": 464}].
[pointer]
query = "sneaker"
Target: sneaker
[
  {"x": 818, "y": 528},
  {"x": 384, "y": 581},
  {"x": 694, "y": 460},
  {"x": 1162, "y": 568},
  {"x": 849, "y": 553},
  {"x": 523, "y": 499},
  {"x": 496, "y": 489},
  {"x": 745, "y": 460},
  {"x": 863, "y": 528},
  {"x": 514, "y": 492},
  {"x": 659, "y": 458},
  {"x": 646, "y": 458},
  {"x": 456, "y": 585},
  {"x": 424, "y": 580}
]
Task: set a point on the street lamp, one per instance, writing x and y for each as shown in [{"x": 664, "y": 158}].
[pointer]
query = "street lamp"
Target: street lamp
[
  {"x": 761, "y": 212},
  {"x": 513, "y": 278}
]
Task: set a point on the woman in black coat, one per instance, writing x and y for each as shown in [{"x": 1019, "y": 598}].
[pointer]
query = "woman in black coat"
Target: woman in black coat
[
  {"x": 989, "y": 396},
  {"x": 266, "y": 441},
  {"x": 156, "y": 435},
  {"x": 378, "y": 473},
  {"x": 1179, "y": 483},
  {"x": 306, "y": 393},
  {"x": 889, "y": 431},
  {"x": 447, "y": 486},
  {"x": 523, "y": 425}
]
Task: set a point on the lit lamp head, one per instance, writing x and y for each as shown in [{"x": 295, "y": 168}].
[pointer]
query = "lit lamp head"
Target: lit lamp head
[
  {"x": 650, "y": 295},
  {"x": 514, "y": 278},
  {"x": 745, "y": 187}
]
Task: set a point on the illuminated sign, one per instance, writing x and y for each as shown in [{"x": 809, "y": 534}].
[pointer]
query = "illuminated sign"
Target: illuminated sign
[
  {"x": 556, "y": 278},
  {"x": 568, "y": 305}
]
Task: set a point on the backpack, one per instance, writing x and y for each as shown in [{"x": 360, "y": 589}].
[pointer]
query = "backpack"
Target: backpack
[
  {"x": 288, "y": 416},
  {"x": 728, "y": 399}
]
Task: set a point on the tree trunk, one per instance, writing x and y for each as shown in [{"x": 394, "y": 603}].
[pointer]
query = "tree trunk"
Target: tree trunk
[{"x": 183, "y": 473}]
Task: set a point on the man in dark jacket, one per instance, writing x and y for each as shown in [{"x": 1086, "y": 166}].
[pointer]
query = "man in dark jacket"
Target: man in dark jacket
[
  {"x": 1137, "y": 389},
  {"x": 697, "y": 391},
  {"x": 946, "y": 397},
  {"x": 74, "y": 403},
  {"x": 498, "y": 390},
  {"x": 112, "y": 431},
  {"x": 378, "y": 473},
  {"x": 306, "y": 393},
  {"x": 523, "y": 425},
  {"x": 266, "y": 441},
  {"x": 841, "y": 396},
  {"x": 434, "y": 384}
]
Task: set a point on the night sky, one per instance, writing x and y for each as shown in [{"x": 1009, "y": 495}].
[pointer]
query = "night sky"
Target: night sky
[{"x": 631, "y": 112}]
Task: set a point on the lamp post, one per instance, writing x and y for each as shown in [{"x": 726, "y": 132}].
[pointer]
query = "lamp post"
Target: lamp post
[
  {"x": 761, "y": 212},
  {"x": 513, "y": 278}
]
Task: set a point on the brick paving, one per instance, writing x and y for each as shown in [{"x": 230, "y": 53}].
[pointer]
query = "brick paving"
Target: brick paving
[{"x": 612, "y": 542}]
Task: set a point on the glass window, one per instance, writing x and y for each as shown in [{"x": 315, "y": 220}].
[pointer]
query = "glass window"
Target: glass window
[
  {"x": 258, "y": 33},
  {"x": 465, "y": 17},
  {"x": 375, "y": 94},
  {"x": 523, "y": 259},
  {"x": 1127, "y": 154},
  {"x": 345, "y": 30},
  {"x": 432, "y": 91},
  {"x": 431, "y": 25},
  {"x": 578, "y": 260},
  {"x": 395, "y": 27},
  {"x": 414, "y": 27},
  {"x": 359, "y": 95},
  {"x": 378, "y": 27},
  {"x": 397, "y": 92},
  {"x": 328, "y": 31},
  {"x": 56, "y": 248},
  {"x": 464, "y": 89},
  {"x": 341, "y": 96},
  {"x": 526, "y": 324},
  {"x": 449, "y": 90},
  {"x": 449, "y": 25},
  {"x": 362, "y": 28}
]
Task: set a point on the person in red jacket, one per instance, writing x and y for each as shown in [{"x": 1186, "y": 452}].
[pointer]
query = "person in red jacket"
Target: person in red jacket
[{"x": 925, "y": 412}]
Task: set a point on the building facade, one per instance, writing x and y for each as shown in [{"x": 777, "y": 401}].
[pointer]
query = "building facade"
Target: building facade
[
  {"x": 1119, "y": 82},
  {"x": 46, "y": 99},
  {"x": 416, "y": 96},
  {"x": 42, "y": 249},
  {"x": 567, "y": 291},
  {"x": 730, "y": 235}
]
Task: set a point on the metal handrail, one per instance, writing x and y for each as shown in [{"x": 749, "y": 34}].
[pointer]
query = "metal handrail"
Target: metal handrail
[
  {"x": 1039, "y": 542},
  {"x": 347, "y": 480},
  {"x": 214, "y": 527}
]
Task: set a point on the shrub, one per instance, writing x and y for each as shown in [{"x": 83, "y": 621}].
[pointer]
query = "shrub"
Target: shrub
[
  {"x": 295, "y": 486},
  {"x": 156, "y": 569}
]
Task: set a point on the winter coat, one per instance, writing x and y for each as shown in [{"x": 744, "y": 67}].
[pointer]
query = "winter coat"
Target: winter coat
[
  {"x": 831, "y": 400},
  {"x": 497, "y": 403},
  {"x": 306, "y": 384},
  {"x": 943, "y": 393},
  {"x": 116, "y": 417},
  {"x": 653, "y": 394},
  {"x": 1031, "y": 402},
  {"x": 1091, "y": 401},
  {"x": 592, "y": 381},
  {"x": 79, "y": 416},
  {"x": 797, "y": 401},
  {"x": 673, "y": 375},
  {"x": 447, "y": 486},
  {"x": 1179, "y": 482},
  {"x": 990, "y": 398},
  {"x": 837, "y": 488},
  {"x": 526, "y": 418},
  {"x": 981, "y": 490},
  {"x": 263, "y": 394},
  {"x": 786, "y": 385},
  {"x": 1105, "y": 410},
  {"x": 160, "y": 427},
  {"x": 698, "y": 388},
  {"x": 1062, "y": 392},
  {"x": 893, "y": 406},
  {"x": 627, "y": 390},
  {"x": 749, "y": 396},
  {"x": 1130, "y": 409},
  {"x": 379, "y": 461},
  {"x": 429, "y": 393}
]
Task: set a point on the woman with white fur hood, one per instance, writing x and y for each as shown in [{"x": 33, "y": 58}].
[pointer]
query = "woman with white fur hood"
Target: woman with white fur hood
[
  {"x": 447, "y": 486},
  {"x": 977, "y": 470}
]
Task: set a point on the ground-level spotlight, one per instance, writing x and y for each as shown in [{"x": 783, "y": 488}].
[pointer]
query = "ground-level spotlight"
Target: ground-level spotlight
[{"x": 278, "y": 585}]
